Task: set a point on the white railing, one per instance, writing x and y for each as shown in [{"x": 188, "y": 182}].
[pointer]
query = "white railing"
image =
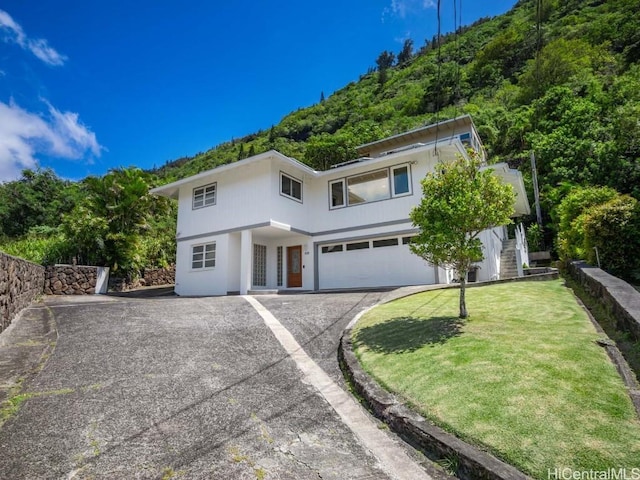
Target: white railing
[{"x": 522, "y": 249}]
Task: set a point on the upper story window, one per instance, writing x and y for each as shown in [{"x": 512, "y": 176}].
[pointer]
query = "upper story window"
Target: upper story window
[
  {"x": 204, "y": 196},
  {"x": 370, "y": 186},
  {"x": 290, "y": 187},
  {"x": 401, "y": 183}
]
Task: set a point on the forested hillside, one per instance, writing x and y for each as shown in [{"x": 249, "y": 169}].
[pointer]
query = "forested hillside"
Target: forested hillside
[{"x": 560, "y": 78}]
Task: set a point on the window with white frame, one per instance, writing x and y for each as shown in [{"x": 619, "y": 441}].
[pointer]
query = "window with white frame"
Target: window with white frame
[
  {"x": 203, "y": 256},
  {"x": 400, "y": 183},
  {"x": 204, "y": 196},
  {"x": 337, "y": 193},
  {"x": 290, "y": 187},
  {"x": 371, "y": 186}
]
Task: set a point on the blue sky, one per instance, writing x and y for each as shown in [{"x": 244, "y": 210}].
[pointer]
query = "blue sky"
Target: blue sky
[{"x": 89, "y": 86}]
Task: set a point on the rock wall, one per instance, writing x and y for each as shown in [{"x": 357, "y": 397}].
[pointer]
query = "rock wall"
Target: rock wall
[
  {"x": 616, "y": 295},
  {"x": 150, "y": 277},
  {"x": 160, "y": 276},
  {"x": 20, "y": 283},
  {"x": 70, "y": 280}
]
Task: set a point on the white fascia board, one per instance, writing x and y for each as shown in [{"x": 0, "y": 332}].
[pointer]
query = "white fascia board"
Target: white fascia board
[
  {"x": 397, "y": 156},
  {"x": 171, "y": 189},
  {"x": 513, "y": 177}
]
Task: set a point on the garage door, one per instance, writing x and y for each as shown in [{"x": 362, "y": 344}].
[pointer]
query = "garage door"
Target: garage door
[{"x": 378, "y": 262}]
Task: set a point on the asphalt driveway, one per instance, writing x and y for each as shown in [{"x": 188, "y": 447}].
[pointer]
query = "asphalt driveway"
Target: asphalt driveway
[{"x": 174, "y": 387}]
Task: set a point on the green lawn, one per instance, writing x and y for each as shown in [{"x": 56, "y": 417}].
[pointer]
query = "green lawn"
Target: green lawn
[{"x": 522, "y": 377}]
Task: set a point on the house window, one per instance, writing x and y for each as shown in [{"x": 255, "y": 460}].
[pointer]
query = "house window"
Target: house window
[
  {"x": 204, "y": 196},
  {"x": 357, "y": 245},
  {"x": 279, "y": 268},
  {"x": 290, "y": 187},
  {"x": 368, "y": 187},
  {"x": 407, "y": 240},
  {"x": 465, "y": 138},
  {"x": 203, "y": 256},
  {"x": 387, "y": 242},
  {"x": 401, "y": 184},
  {"x": 332, "y": 248},
  {"x": 337, "y": 193},
  {"x": 259, "y": 265}
]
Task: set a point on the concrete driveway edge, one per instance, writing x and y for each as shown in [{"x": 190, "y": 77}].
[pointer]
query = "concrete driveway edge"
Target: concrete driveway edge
[
  {"x": 24, "y": 349},
  {"x": 433, "y": 441}
]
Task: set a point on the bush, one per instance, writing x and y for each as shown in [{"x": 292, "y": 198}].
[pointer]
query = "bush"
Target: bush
[
  {"x": 614, "y": 228},
  {"x": 570, "y": 215}
]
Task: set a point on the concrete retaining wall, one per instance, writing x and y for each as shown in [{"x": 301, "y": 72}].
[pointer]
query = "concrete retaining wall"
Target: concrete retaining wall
[
  {"x": 70, "y": 280},
  {"x": 616, "y": 295},
  {"x": 20, "y": 283}
]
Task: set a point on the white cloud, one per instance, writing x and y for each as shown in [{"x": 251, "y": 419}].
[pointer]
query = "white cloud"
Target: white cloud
[
  {"x": 401, "y": 8},
  {"x": 24, "y": 134},
  {"x": 38, "y": 46}
]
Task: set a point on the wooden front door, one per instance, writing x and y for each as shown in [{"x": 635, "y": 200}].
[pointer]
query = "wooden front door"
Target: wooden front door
[{"x": 294, "y": 266}]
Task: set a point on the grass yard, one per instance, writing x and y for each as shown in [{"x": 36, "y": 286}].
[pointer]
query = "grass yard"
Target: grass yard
[{"x": 522, "y": 377}]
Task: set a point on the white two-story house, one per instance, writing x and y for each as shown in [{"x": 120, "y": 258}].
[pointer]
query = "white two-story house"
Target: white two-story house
[{"x": 271, "y": 222}]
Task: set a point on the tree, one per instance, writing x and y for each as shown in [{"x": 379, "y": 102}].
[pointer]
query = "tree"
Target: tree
[
  {"x": 108, "y": 226},
  {"x": 384, "y": 61},
  {"x": 571, "y": 214},
  {"x": 406, "y": 53},
  {"x": 38, "y": 198},
  {"x": 614, "y": 229},
  {"x": 458, "y": 202}
]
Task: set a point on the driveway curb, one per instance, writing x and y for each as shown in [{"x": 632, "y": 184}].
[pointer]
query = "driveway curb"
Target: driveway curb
[{"x": 471, "y": 462}]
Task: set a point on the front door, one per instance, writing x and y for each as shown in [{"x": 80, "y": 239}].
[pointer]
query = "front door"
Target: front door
[{"x": 294, "y": 266}]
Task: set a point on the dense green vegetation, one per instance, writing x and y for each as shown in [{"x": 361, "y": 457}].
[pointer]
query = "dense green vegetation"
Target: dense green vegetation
[{"x": 571, "y": 94}]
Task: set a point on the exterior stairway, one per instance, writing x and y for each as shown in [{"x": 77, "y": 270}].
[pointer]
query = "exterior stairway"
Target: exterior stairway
[{"x": 508, "y": 262}]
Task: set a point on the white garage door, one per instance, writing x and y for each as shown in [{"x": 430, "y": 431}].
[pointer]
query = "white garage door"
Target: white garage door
[{"x": 380, "y": 262}]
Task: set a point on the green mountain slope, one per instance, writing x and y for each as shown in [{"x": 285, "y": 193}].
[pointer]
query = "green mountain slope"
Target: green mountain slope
[{"x": 577, "y": 105}]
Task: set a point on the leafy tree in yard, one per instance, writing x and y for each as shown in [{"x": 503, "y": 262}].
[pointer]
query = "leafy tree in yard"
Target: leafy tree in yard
[
  {"x": 107, "y": 228},
  {"x": 458, "y": 202}
]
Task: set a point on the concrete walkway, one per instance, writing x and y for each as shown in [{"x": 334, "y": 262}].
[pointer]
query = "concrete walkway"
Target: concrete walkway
[{"x": 192, "y": 388}]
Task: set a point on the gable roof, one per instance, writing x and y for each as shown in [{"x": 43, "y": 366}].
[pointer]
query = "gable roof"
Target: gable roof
[
  {"x": 171, "y": 189},
  {"x": 417, "y": 134}
]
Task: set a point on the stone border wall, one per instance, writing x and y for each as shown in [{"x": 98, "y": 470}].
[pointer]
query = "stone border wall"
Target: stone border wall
[
  {"x": 616, "y": 295},
  {"x": 150, "y": 277},
  {"x": 160, "y": 276},
  {"x": 20, "y": 283},
  {"x": 70, "y": 280}
]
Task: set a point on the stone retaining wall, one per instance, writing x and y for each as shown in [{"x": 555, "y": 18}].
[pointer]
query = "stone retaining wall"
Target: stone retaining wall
[
  {"x": 150, "y": 277},
  {"x": 20, "y": 283},
  {"x": 70, "y": 280},
  {"x": 616, "y": 295},
  {"x": 160, "y": 276}
]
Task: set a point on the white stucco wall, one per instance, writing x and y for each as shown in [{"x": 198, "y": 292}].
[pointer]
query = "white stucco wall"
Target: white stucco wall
[
  {"x": 205, "y": 281},
  {"x": 492, "y": 246}
]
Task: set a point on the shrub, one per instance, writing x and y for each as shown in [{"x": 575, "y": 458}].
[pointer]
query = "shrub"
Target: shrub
[
  {"x": 614, "y": 228},
  {"x": 570, "y": 216}
]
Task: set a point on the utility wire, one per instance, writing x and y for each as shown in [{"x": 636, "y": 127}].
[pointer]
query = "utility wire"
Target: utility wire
[{"x": 438, "y": 84}]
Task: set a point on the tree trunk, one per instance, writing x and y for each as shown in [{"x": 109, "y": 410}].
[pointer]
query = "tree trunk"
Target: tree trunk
[{"x": 463, "y": 303}]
